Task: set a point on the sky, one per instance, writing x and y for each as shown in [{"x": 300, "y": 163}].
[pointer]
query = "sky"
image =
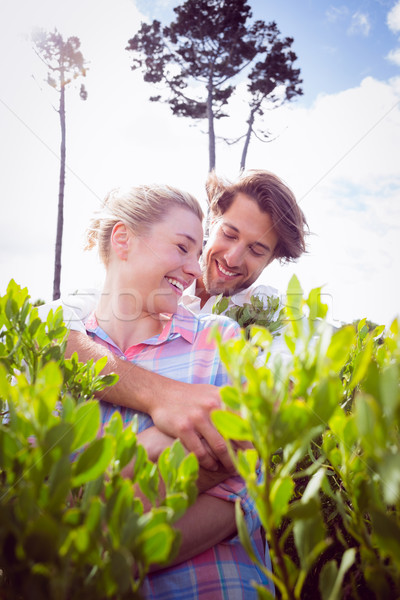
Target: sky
[{"x": 337, "y": 146}]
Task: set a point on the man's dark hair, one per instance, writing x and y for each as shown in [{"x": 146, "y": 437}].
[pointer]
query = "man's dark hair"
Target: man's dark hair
[{"x": 274, "y": 198}]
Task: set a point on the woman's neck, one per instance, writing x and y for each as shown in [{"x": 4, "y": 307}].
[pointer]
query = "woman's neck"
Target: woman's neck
[{"x": 119, "y": 313}]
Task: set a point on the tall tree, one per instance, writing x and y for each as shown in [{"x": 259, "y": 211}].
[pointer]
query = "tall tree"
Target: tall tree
[
  {"x": 65, "y": 63},
  {"x": 197, "y": 56},
  {"x": 200, "y": 54},
  {"x": 273, "y": 81}
]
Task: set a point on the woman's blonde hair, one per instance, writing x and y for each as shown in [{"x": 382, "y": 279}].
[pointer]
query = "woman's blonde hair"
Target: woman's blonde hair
[{"x": 138, "y": 208}]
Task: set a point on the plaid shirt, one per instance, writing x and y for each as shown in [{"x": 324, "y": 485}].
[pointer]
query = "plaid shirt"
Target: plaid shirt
[{"x": 184, "y": 352}]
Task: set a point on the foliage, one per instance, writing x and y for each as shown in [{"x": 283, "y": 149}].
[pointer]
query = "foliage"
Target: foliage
[
  {"x": 64, "y": 63},
  {"x": 330, "y": 498},
  {"x": 62, "y": 58},
  {"x": 266, "y": 313},
  {"x": 70, "y": 525},
  {"x": 199, "y": 54}
]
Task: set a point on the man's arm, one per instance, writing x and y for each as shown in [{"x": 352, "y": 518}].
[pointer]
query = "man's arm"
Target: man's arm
[
  {"x": 208, "y": 522},
  {"x": 155, "y": 441},
  {"x": 181, "y": 410}
]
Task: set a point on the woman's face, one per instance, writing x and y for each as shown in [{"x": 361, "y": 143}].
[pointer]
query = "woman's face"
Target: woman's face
[{"x": 164, "y": 261}]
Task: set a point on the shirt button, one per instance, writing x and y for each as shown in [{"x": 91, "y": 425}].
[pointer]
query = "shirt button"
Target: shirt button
[{"x": 122, "y": 357}]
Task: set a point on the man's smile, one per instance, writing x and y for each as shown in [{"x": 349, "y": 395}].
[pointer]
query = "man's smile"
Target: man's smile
[{"x": 225, "y": 271}]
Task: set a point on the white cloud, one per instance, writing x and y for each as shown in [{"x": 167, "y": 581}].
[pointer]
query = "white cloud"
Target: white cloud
[
  {"x": 335, "y": 13},
  {"x": 393, "y": 18},
  {"x": 360, "y": 24},
  {"x": 393, "y": 21},
  {"x": 394, "y": 56},
  {"x": 341, "y": 158}
]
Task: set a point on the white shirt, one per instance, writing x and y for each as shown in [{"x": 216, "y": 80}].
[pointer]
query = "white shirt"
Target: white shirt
[
  {"x": 192, "y": 302},
  {"x": 76, "y": 308}
]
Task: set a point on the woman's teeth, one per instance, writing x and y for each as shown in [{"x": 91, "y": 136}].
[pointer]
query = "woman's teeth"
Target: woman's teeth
[{"x": 175, "y": 283}]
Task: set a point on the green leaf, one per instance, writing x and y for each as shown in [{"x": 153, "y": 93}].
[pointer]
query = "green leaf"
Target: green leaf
[
  {"x": 243, "y": 532},
  {"x": 264, "y": 593},
  {"x": 230, "y": 425},
  {"x": 59, "y": 436},
  {"x": 314, "y": 485},
  {"x": 386, "y": 531},
  {"x": 340, "y": 346},
  {"x": 92, "y": 462},
  {"x": 318, "y": 309},
  {"x": 100, "y": 364},
  {"x": 86, "y": 423},
  {"x": 294, "y": 301},
  {"x": 114, "y": 426},
  {"x": 42, "y": 539},
  {"x": 325, "y": 399},
  {"x": 59, "y": 482},
  {"x": 389, "y": 469},
  {"x": 389, "y": 390},
  {"x": 261, "y": 336},
  {"x": 308, "y": 534},
  {"x": 247, "y": 462},
  {"x": 361, "y": 363},
  {"x": 281, "y": 493},
  {"x": 94, "y": 513},
  {"x": 34, "y": 325},
  {"x": 231, "y": 397},
  {"x": 220, "y": 305},
  {"x": 189, "y": 468},
  {"x": 331, "y": 579},
  {"x": 148, "y": 480},
  {"x": 121, "y": 566},
  {"x": 155, "y": 544},
  {"x": 178, "y": 503}
]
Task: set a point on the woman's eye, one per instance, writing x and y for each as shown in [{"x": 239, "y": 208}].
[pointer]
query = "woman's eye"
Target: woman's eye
[
  {"x": 183, "y": 248},
  {"x": 230, "y": 237}
]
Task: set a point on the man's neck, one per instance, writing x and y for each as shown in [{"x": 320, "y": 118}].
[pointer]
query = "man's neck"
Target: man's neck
[{"x": 201, "y": 292}]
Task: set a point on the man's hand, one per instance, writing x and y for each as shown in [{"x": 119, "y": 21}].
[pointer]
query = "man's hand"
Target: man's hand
[
  {"x": 185, "y": 413},
  {"x": 180, "y": 410}
]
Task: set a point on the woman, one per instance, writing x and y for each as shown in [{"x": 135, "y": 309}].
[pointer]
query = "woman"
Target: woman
[{"x": 149, "y": 239}]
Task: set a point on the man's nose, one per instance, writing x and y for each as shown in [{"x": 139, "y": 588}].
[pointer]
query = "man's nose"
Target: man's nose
[{"x": 234, "y": 255}]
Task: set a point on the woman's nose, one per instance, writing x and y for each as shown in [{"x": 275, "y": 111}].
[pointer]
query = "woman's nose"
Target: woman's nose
[{"x": 193, "y": 267}]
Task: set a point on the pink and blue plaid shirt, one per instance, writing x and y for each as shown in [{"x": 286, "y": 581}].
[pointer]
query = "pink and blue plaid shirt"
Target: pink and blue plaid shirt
[{"x": 185, "y": 352}]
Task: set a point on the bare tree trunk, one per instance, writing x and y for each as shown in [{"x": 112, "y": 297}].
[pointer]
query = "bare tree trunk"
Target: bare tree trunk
[
  {"x": 250, "y": 122},
  {"x": 60, "y": 216},
  {"x": 211, "y": 132}
]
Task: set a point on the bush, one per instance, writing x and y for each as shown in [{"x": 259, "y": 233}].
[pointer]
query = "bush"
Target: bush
[
  {"x": 70, "y": 525},
  {"x": 325, "y": 425}
]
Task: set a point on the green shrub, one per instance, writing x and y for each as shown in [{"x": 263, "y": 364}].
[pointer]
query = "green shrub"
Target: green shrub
[
  {"x": 325, "y": 425},
  {"x": 74, "y": 528},
  {"x": 266, "y": 312}
]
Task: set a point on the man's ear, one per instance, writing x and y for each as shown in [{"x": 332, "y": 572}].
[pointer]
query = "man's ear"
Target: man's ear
[{"x": 120, "y": 238}]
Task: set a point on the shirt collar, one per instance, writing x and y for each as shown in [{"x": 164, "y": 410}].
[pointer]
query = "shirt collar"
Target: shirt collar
[
  {"x": 183, "y": 323},
  {"x": 192, "y": 302}
]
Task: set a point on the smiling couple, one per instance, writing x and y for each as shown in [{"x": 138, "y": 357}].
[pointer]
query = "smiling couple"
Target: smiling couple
[{"x": 154, "y": 313}]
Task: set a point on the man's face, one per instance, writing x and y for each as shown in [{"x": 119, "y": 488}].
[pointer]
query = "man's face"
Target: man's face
[{"x": 241, "y": 244}]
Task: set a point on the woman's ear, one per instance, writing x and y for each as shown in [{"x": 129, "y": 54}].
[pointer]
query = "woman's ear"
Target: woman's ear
[{"x": 120, "y": 237}]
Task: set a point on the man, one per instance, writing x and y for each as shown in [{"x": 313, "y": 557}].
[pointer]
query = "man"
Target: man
[{"x": 252, "y": 222}]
